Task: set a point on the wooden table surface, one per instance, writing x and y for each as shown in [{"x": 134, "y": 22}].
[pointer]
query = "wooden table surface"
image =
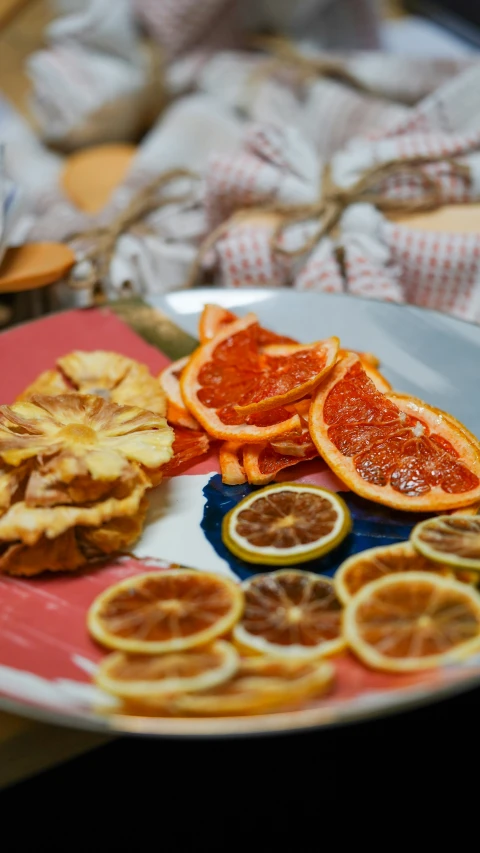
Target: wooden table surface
[{"x": 26, "y": 747}]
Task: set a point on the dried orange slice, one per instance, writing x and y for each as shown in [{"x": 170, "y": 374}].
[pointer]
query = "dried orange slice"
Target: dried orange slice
[
  {"x": 260, "y": 685},
  {"x": 170, "y": 382},
  {"x": 390, "y": 448},
  {"x": 290, "y": 614},
  {"x": 188, "y": 444},
  {"x": 450, "y": 539},
  {"x": 285, "y": 523},
  {"x": 165, "y": 611},
  {"x": 375, "y": 563},
  {"x": 262, "y": 462},
  {"x": 230, "y": 370},
  {"x": 150, "y": 678},
  {"x": 212, "y": 319},
  {"x": 231, "y": 463},
  {"x": 413, "y": 621}
]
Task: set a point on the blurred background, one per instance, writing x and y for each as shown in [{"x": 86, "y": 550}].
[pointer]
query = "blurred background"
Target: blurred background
[{"x": 436, "y": 28}]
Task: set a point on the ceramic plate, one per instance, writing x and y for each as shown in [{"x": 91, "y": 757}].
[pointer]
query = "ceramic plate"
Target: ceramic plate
[{"x": 46, "y": 656}]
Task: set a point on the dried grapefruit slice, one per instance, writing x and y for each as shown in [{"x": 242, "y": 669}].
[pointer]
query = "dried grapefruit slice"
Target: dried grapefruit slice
[
  {"x": 375, "y": 563},
  {"x": 286, "y": 522},
  {"x": 165, "y": 611},
  {"x": 212, "y": 319},
  {"x": 221, "y": 374},
  {"x": 414, "y": 406},
  {"x": 260, "y": 685},
  {"x": 262, "y": 462},
  {"x": 288, "y": 376},
  {"x": 370, "y": 364},
  {"x": 150, "y": 678},
  {"x": 300, "y": 446},
  {"x": 169, "y": 380},
  {"x": 290, "y": 614},
  {"x": 412, "y": 621},
  {"x": 231, "y": 464},
  {"x": 188, "y": 444},
  {"x": 390, "y": 448},
  {"x": 381, "y": 384},
  {"x": 450, "y": 539}
]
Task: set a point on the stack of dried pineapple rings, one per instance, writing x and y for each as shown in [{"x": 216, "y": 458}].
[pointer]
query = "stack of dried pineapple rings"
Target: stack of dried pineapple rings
[{"x": 75, "y": 468}]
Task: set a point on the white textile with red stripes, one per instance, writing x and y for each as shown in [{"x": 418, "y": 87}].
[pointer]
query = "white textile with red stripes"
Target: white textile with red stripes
[
  {"x": 369, "y": 255},
  {"x": 180, "y": 25}
]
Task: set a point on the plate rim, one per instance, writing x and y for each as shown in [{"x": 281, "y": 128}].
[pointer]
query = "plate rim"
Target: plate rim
[
  {"x": 306, "y": 720},
  {"x": 282, "y": 723}
]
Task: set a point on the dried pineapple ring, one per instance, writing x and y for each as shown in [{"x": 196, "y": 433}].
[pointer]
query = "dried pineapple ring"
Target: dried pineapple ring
[
  {"x": 73, "y": 548},
  {"x": 102, "y": 433},
  {"x": 106, "y": 374},
  {"x": 28, "y": 524}
]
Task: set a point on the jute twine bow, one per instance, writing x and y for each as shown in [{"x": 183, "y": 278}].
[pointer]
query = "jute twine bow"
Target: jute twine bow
[
  {"x": 286, "y": 57},
  {"x": 334, "y": 200},
  {"x": 94, "y": 261}
]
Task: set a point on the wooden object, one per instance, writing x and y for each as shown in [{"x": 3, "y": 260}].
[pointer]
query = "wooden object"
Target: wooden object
[
  {"x": 34, "y": 265},
  {"x": 91, "y": 175},
  {"x": 460, "y": 218},
  {"x": 22, "y": 26}
]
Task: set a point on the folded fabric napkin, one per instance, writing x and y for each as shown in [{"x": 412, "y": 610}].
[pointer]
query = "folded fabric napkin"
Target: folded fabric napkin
[
  {"x": 180, "y": 25},
  {"x": 154, "y": 253},
  {"x": 96, "y": 81},
  {"x": 332, "y": 234}
]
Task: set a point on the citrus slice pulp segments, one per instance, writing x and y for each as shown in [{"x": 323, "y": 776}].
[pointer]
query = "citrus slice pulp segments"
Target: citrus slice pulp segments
[
  {"x": 218, "y": 375},
  {"x": 374, "y": 563},
  {"x": 300, "y": 446},
  {"x": 153, "y": 677},
  {"x": 188, "y": 445},
  {"x": 261, "y": 685},
  {"x": 450, "y": 539},
  {"x": 212, "y": 319},
  {"x": 165, "y": 611},
  {"x": 231, "y": 463},
  {"x": 169, "y": 380},
  {"x": 412, "y": 621},
  {"x": 381, "y": 384},
  {"x": 415, "y": 406},
  {"x": 288, "y": 377},
  {"x": 370, "y": 364},
  {"x": 262, "y": 462},
  {"x": 389, "y": 448},
  {"x": 286, "y": 522},
  {"x": 290, "y": 614}
]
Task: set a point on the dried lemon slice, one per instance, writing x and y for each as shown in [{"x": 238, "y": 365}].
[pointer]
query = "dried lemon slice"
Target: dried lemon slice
[
  {"x": 285, "y": 523},
  {"x": 413, "y": 621},
  {"x": 260, "y": 685},
  {"x": 451, "y": 539},
  {"x": 165, "y": 611},
  {"x": 375, "y": 563},
  {"x": 290, "y": 614},
  {"x": 150, "y": 678}
]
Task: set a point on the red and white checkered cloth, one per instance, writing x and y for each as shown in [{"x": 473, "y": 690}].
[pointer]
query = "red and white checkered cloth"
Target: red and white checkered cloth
[{"x": 380, "y": 260}]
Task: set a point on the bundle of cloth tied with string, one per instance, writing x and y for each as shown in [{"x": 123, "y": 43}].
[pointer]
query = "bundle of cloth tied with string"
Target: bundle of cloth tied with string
[
  {"x": 209, "y": 197},
  {"x": 279, "y": 215}
]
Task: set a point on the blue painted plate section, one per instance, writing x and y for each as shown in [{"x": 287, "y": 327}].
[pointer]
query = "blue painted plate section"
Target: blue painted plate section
[{"x": 373, "y": 525}]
